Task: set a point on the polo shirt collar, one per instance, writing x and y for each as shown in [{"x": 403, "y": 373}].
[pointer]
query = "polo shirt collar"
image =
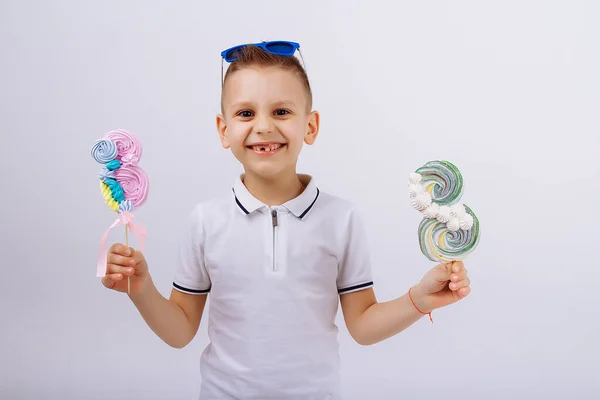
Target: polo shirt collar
[{"x": 299, "y": 206}]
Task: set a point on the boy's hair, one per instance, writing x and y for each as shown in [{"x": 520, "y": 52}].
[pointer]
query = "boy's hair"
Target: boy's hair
[{"x": 251, "y": 56}]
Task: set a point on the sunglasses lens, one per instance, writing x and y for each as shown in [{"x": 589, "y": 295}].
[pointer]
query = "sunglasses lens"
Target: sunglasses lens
[
  {"x": 233, "y": 54},
  {"x": 282, "y": 48}
]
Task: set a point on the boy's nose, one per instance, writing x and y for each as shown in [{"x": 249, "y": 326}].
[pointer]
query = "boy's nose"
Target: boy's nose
[{"x": 264, "y": 124}]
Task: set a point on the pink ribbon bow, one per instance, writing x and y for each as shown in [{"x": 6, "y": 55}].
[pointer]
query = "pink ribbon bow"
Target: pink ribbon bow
[{"x": 125, "y": 218}]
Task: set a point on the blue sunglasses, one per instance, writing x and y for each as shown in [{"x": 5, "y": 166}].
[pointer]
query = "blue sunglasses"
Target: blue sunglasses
[{"x": 280, "y": 48}]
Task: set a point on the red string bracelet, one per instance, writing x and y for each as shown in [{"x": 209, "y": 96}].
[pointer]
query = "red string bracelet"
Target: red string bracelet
[{"x": 424, "y": 313}]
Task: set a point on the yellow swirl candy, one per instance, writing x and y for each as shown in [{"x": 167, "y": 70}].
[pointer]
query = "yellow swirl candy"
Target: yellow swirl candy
[{"x": 110, "y": 202}]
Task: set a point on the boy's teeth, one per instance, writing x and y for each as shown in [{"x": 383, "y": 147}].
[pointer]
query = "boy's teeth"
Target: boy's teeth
[{"x": 266, "y": 148}]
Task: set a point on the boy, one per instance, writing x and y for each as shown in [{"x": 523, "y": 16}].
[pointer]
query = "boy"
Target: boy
[{"x": 275, "y": 255}]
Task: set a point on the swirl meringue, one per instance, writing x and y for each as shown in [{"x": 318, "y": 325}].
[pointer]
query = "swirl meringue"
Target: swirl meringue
[
  {"x": 104, "y": 150},
  {"x": 128, "y": 146},
  {"x": 458, "y": 210},
  {"x": 439, "y": 244},
  {"x": 453, "y": 225},
  {"x": 134, "y": 181},
  {"x": 414, "y": 178},
  {"x": 421, "y": 201},
  {"x": 432, "y": 211},
  {"x": 105, "y": 174},
  {"x": 444, "y": 214},
  {"x": 443, "y": 180},
  {"x": 112, "y": 165},
  {"x": 126, "y": 205},
  {"x": 466, "y": 222},
  {"x": 414, "y": 189}
]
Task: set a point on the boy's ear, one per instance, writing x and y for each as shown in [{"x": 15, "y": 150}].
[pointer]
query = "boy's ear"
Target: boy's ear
[
  {"x": 313, "y": 128},
  {"x": 222, "y": 129}
]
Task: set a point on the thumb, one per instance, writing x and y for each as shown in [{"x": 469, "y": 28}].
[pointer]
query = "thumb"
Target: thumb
[
  {"x": 137, "y": 255},
  {"x": 443, "y": 272}
]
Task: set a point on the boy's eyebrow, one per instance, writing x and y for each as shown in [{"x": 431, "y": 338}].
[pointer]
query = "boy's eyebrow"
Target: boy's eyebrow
[
  {"x": 285, "y": 103},
  {"x": 249, "y": 104},
  {"x": 241, "y": 104}
]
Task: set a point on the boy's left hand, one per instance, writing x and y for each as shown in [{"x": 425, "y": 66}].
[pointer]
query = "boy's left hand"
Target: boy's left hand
[{"x": 443, "y": 285}]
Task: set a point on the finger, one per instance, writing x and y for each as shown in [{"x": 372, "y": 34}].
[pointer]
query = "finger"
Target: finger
[
  {"x": 442, "y": 272},
  {"x": 119, "y": 269},
  {"x": 464, "y": 292},
  {"x": 459, "y": 276},
  {"x": 137, "y": 255},
  {"x": 457, "y": 266},
  {"x": 120, "y": 249},
  {"x": 110, "y": 280},
  {"x": 120, "y": 260},
  {"x": 460, "y": 284},
  {"x": 449, "y": 270},
  {"x": 108, "y": 283}
]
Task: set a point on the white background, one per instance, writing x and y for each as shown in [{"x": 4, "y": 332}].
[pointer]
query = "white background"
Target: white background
[{"x": 508, "y": 91}]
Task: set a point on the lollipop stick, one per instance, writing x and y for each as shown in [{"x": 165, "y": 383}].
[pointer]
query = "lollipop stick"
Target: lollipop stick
[{"x": 127, "y": 244}]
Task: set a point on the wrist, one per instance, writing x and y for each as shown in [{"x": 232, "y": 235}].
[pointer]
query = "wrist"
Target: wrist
[
  {"x": 144, "y": 288},
  {"x": 420, "y": 299}
]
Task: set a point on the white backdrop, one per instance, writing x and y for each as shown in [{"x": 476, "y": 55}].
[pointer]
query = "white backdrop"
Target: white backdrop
[{"x": 508, "y": 91}]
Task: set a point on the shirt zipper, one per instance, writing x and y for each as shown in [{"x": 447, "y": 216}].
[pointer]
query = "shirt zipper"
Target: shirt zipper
[{"x": 274, "y": 222}]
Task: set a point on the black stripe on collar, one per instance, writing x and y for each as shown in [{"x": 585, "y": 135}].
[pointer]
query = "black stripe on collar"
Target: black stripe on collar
[
  {"x": 311, "y": 204},
  {"x": 238, "y": 202},
  {"x": 301, "y": 215}
]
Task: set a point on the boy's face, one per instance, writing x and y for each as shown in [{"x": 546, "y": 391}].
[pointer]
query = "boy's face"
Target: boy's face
[{"x": 266, "y": 120}]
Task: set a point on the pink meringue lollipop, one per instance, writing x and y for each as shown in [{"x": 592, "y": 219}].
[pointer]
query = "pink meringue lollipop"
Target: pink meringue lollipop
[{"x": 124, "y": 186}]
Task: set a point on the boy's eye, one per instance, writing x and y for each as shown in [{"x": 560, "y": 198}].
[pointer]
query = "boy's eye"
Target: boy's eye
[
  {"x": 245, "y": 114},
  {"x": 281, "y": 112}
]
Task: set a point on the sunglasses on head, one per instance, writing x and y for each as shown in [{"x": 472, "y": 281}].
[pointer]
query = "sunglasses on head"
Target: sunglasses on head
[{"x": 279, "y": 47}]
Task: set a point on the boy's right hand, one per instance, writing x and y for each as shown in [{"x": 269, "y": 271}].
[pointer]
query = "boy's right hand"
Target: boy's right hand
[{"x": 121, "y": 262}]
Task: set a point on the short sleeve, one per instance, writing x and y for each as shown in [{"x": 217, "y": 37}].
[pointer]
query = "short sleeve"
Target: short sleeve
[
  {"x": 191, "y": 274},
  {"x": 354, "y": 272}
]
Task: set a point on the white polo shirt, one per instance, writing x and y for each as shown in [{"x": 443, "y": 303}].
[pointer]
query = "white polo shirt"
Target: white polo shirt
[{"x": 274, "y": 275}]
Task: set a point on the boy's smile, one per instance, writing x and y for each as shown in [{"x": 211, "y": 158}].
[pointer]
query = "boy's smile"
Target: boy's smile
[{"x": 266, "y": 148}]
